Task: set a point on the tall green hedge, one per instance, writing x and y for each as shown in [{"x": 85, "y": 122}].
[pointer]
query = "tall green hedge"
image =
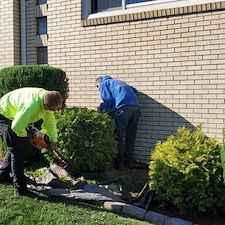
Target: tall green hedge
[{"x": 47, "y": 77}]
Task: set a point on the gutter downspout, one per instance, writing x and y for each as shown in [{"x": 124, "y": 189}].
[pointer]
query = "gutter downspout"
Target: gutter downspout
[
  {"x": 23, "y": 32},
  {"x": 123, "y": 4}
]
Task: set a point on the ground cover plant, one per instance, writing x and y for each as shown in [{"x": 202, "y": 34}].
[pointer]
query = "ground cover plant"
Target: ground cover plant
[
  {"x": 47, "y": 210},
  {"x": 186, "y": 171}
]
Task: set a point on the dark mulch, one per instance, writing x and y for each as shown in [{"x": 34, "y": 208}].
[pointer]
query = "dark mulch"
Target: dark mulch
[{"x": 133, "y": 180}]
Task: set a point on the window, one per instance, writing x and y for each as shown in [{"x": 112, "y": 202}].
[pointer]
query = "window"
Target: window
[
  {"x": 137, "y": 1},
  {"x": 42, "y": 25},
  {"x": 42, "y": 55},
  {"x": 102, "y": 5},
  {"x": 39, "y": 2},
  {"x": 94, "y": 9}
]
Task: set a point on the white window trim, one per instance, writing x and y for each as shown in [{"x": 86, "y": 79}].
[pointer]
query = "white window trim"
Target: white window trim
[{"x": 141, "y": 7}]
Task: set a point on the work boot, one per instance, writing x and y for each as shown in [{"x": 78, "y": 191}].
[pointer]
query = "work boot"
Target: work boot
[
  {"x": 24, "y": 192},
  {"x": 135, "y": 164},
  {"x": 7, "y": 180},
  {"x": 118, "y": 166}
]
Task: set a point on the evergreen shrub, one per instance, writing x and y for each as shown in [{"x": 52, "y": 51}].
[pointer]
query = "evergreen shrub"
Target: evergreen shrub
[
  {"x": 86, "y": 139},
  {"x": 223, "y": 155},
  {"x": 186, "y": 171},
  {"x": 47, "y": 77}
]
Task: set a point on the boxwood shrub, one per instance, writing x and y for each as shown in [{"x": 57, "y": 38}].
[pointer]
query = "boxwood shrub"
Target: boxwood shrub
[
  {"x": 86, "y": 139},
  {"x": 47, "y": 77},
  {"x": 186, "y": 171},
  {"x": 223, "y": 155}
]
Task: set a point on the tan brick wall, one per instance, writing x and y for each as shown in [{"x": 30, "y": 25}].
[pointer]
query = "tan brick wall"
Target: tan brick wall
[
  {"x": 175, "y": 60},
  {"x": 31, "y": 31},
  {"x": 10, "y": 33},
  {"x": 34, "y": 11},
  {"x": 176, "y": 63}
]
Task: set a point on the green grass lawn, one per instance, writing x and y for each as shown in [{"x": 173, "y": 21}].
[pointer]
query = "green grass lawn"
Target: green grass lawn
[{"x": 47, "y": 210}]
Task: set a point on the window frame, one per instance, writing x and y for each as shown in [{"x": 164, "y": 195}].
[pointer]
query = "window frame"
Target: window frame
[
  {"x": 39, "y": 2},
  {"x": 139, "y": 7},
  {"x": 42, "y": 60},
  {"x": 38, "y": 25}
]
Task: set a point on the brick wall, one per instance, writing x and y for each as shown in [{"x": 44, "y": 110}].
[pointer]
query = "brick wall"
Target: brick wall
[
  {"x": 10, "y": 33},
  {"x": 175, "y": 61},
  {"x": 33, "y": 12},
  {"x": 31, "y": 31},
  {"x": 175, "y": 58}
]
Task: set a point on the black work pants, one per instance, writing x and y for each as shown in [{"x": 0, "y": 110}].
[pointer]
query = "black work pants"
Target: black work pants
[
  {"x": 14, "y": 159},
  {"x": 126, "y": 120}
]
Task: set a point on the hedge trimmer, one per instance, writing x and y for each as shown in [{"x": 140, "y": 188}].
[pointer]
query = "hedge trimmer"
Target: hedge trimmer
[{"x": 41, "y": 140}]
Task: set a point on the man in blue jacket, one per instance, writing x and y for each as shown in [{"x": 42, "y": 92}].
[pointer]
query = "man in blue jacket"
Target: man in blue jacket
[{"x": 121, "y": 102}]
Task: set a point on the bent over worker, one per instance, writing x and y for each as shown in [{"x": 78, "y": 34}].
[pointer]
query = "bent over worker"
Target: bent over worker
[
  {"x": 19, "y": 108},
  {"x": 121, "y": 102}
]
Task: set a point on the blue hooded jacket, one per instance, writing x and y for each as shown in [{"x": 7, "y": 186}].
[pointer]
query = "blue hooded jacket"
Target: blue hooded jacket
[{"x": 115, "y": 94}]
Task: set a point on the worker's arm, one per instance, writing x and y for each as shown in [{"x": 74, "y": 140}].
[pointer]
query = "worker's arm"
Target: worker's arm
[
  {"x": 53, "y": 146},
  {"x": 108, "y": 100},
  {"x": 49, "y": 122}
]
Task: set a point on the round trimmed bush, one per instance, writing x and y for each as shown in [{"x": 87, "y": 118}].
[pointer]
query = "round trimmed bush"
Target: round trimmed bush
[
  {"x": 86, "y": 139},
  {"x": 47, "y": 77},
  {"x": 186, "y": 171}
]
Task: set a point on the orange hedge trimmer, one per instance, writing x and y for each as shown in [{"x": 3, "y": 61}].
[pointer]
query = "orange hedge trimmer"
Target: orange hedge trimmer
[
  {"x": 36, "y": 138},
  {"x": 41, "y": 140}
]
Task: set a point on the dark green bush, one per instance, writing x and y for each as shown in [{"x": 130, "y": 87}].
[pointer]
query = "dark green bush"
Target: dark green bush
[
  {"x": 186, "y": 171},
  {"x": 223, "y": 155},
  {"x": 47, "y": 77},
  {"x": 86, "y": 139}
]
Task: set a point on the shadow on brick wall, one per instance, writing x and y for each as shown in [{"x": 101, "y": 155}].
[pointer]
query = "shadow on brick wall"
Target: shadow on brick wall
[{"x": 156, "y": 123}]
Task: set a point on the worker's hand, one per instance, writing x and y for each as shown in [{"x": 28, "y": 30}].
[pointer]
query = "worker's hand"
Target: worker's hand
[{"x": 53, "y": 146}]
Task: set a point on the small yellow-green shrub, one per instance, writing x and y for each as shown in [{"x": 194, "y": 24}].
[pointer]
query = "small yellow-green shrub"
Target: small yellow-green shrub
[{"x": 186, "y": 171}]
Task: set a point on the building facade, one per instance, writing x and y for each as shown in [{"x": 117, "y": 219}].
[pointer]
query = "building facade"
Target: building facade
[{"x": 172, "y": 52}]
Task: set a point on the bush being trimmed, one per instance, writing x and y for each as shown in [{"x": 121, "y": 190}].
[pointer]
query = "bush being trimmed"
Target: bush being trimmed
[
  {"x": 186, "y": 171},
  {"x": 86, "y": 139}
]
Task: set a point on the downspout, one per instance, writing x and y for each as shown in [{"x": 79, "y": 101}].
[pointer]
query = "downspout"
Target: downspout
[
  {"x": 123, "y": 4},
  {"x": 23, "y": 32}
]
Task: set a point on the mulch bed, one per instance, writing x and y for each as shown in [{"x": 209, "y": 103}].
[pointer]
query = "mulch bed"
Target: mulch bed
[{"x": 133, "y": 181}]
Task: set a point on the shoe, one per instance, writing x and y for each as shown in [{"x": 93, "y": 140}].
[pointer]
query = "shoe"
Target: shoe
[
  {"x": 136, "y": 164},
  {"x": 24, "y": 192},
  {"x": 2, "y": 180},
  {"x": 5, "y": 180},
  {"x": 118, "y": 166}
]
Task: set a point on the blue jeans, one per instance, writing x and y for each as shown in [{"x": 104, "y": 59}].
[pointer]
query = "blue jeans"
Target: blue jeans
[
  {"x": 126, "y": 120},
  {"x": 14, "y": 158}
]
